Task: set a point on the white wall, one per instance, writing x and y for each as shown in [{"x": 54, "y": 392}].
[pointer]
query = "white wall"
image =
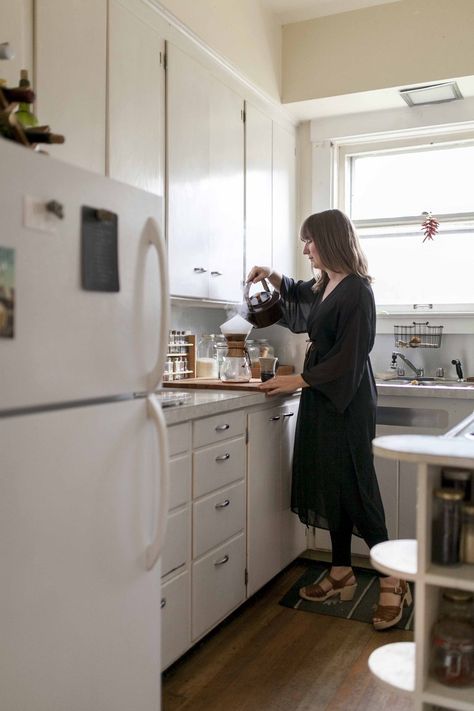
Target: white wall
[
  {"x": 243, "y": 32},
  {"x": 407, "y": 42}
]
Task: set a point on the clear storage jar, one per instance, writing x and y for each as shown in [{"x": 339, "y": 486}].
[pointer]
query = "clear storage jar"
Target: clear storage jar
[
  {"x": 452, "y": 640},
  {"x": 206, "y": 359},
  {"x": 446, "y": 526},
  {"x": 467, "y": 534}
]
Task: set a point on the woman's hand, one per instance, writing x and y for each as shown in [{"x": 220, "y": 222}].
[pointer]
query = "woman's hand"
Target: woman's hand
[
  {"x": 256, "y": 274},
  {"x": 282, "y": 384}
]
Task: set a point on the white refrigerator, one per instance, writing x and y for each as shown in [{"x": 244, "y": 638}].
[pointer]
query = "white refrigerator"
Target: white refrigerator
[{"x": 83, "y": 447}]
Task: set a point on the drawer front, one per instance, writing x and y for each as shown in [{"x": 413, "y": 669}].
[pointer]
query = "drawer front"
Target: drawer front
[
  {"x": 179, "y": 438},
  {"x": 175, "y": 618},
  {"x": 175, "y": 549},
  {"x": 218, "y": 585},
  {"x": 218, "y": 465},
  {"x": 180, "y": 480},
  {"x": 213, "y": 429},
  {"x": 218, "y": 517}
]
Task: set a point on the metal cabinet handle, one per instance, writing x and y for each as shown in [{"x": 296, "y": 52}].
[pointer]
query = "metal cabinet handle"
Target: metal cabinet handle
[
  {"x": 163, "y": 602},
  {"x": 216, "y": 273},
  {"x": 222, "y": 561},
  {"x": 223, "y": 504},
  {"x": 223, "y": 457},
  {"x": 272, "y": 419},
  {"x": 199, "y": 270},
  {"x": 221, "y": 428},
  {"x": 288, "y": 414}
]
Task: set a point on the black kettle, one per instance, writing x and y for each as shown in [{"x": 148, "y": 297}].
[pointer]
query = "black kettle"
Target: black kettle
[{"x": 263, "y": 308}]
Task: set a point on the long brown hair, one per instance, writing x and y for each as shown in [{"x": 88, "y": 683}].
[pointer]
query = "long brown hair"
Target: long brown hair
[{"x": 336, "y": 240}]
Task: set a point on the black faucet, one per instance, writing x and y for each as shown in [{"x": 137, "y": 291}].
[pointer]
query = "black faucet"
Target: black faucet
[{"x": 458, "y": 365}]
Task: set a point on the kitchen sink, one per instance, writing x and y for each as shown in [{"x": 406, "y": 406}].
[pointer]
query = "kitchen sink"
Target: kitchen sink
[{"x": 433, "y": 382}]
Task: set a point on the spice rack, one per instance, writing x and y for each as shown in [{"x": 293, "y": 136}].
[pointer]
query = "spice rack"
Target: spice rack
[
  {"x": 406, "y": 665},
  {"x": 181, "y": 357},
  {"x": 419, "y": 334}
]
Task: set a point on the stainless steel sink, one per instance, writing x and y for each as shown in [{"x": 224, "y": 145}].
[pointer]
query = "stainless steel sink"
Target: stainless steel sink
[{"x": 433, "y": 383}]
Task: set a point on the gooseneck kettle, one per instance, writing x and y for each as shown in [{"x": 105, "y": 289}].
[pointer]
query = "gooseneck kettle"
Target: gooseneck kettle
[{"x": 262, "y": 308}]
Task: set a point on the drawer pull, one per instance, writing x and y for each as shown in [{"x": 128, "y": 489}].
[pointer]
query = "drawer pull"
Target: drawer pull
[
  {"x": 288, "y": 414},
  {"x": 223, "y": 504},
  {"x": 273, "y": 419},
  {"x": 221, "y": 428},
  {"x": 216, "y": 273},
  {"x": 222, "y": 561},
  {"x": 163, "y": 602},
  {"x": 223, "y": 457},
  {"x": 200, "y": 270}
]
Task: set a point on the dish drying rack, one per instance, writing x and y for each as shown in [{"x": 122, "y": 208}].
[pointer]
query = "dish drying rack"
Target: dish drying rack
[{"x": 418, "y": 335}]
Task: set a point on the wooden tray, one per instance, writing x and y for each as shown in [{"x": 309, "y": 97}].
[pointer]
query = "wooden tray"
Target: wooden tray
[{"x": 212, "y": 384}]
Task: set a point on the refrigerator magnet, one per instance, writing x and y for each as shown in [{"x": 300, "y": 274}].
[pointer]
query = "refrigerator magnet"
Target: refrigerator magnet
[
  {"x": 7, "y": 292},
  {"x": 99, "y": 250}
]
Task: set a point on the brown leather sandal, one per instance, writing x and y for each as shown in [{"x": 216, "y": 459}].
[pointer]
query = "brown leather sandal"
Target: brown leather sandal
[
  {"x": 388, "y": 615},
  {"x": 315, "y": 593}
]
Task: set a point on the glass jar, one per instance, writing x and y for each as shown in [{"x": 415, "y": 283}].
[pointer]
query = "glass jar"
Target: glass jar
[
  {"x": 457, "y": 479},
  {"x": 235, "y": 369},
  {"x": 467, "y": 534},
  {"x": 446, "y": 526},
  {"x": 253, "y": 350},
  {"x": 221, "y": 351},
  {"x": 266, "y": 350},
  {"x": 206, "y": 359},
  {"x": 452, "y": 640}
]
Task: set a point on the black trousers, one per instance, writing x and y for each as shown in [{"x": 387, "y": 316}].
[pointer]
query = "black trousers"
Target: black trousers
[{"x": 341, "y": 539}]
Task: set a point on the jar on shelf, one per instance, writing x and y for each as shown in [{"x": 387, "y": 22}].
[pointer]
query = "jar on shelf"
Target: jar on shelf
[
  {"x": 457, "y": 479},
  {"x": 221, "y": 351},
  {"x": 452, "y": 640},
  {"x": 206, "y": 360},
  {"x": 467, "y": 534},
  {"x": 446, "y": 526}
]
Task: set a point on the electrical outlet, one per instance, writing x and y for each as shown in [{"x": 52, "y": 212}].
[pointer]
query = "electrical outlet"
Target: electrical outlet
[{"x": 37, "y": 217}]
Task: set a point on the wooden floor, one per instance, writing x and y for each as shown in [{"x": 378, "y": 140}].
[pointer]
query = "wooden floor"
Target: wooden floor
[{"x": 270, "y": 658}]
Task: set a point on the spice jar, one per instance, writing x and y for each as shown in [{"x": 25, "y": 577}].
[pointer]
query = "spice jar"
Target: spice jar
[
  {"x": 457, "y": 479},
  {"x": 446, "y": 526},
  {"x": 452, "y": 638},
  {"x": 467, "y": 534}
]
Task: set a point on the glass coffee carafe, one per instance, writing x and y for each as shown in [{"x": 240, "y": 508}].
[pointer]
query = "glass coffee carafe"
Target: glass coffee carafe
[{"x": 235, "y": 366}]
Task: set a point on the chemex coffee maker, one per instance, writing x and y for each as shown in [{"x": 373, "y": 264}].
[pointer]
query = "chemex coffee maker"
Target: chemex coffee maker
[{"x": 235, "y": 366}]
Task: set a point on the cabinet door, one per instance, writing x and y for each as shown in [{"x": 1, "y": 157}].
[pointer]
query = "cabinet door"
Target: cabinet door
[
  {"x": 16, "y": 21},
  {"x": 285, "y": 241},
  {"x": 70, "y": 82},
  {"x": 188, "y": 117},
  {"x": 264, "y": 502},
  {"x": 258, "y": 188},
  {"x": 226, "y": 191},
  {"x": 136, "y": 83},
  {"x": 293, "y": 541},
  {"x": 175, "y": 618}
]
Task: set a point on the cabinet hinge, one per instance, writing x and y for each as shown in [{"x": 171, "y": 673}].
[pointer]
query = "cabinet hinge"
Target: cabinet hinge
[
  {"x": 164, "y": 60},
  {"x": 246, "y": 576},
  {"x": 247, "y": 436},
  {"x": 243, "y": 115}
]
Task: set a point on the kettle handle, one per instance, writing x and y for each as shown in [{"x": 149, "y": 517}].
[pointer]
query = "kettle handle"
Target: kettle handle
[{"x": 249, "y": 284}]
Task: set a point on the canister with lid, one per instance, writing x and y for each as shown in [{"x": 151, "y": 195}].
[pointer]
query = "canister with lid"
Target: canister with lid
[
  {"x": 446, "y": 526},
  {"x": 458, "y": 479},
  {"x": 467, "y": 534},
  {"x": 452, "y": 650}
]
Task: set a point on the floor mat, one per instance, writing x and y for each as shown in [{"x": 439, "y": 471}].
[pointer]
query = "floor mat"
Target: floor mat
[{"x": 361, "y": 608}]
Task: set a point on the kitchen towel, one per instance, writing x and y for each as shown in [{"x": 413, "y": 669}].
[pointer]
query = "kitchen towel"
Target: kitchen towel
[{"x": 361, "y": 608}]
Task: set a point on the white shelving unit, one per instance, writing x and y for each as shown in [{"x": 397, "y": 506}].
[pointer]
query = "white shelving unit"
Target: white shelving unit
[{"x": 406, "y": 665}]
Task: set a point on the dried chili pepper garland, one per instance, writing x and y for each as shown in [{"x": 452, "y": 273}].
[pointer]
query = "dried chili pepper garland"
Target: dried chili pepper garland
[{"x": 430, "y": 226}]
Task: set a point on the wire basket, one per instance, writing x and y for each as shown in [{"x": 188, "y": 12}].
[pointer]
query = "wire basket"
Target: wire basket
[{"x": 419, "y": 335}]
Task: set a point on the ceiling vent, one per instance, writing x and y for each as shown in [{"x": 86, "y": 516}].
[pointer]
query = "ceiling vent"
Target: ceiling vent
[{"x": 432, "y": 94}]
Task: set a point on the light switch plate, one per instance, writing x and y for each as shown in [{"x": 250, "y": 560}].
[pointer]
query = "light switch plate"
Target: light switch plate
[{"x": 37, "y": 217}]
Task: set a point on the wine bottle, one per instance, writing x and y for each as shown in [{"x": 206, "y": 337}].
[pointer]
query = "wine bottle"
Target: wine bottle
[
  {"x": 25, "y": 114},
  {"x": 40, "y": 136}
]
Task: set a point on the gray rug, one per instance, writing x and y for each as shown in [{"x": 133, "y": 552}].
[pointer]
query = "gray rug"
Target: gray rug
[{"x": 361, "y": 608}]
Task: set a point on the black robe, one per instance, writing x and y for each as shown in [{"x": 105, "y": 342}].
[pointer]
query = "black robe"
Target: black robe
[{"x": 333, "y": 466}]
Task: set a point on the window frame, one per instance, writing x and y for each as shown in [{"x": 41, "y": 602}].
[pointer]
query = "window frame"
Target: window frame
[{"x": 345, "y": 151}]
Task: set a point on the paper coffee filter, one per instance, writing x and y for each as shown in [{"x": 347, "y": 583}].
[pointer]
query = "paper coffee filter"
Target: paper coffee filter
[{"x": 236, "y": 324}]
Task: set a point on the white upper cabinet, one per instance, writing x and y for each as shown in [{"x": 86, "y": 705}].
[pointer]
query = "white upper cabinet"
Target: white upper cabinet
[
  {"x": 70, "y": 83},
  {"x": 136, "y": 84},
  {"x": 205, "y": 182},
  {"x": 285, "y": 239},
  {"x": 258, "y": 188},
  {"x": 16, "y": 21}
]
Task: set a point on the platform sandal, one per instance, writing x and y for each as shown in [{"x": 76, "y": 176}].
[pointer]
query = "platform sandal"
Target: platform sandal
[
  {"x": 315, "y": 593},
  {"x": 387, "y": 616}
]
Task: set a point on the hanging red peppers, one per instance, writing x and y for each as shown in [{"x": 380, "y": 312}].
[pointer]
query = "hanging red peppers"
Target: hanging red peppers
[{"x": 429, "y": 226}]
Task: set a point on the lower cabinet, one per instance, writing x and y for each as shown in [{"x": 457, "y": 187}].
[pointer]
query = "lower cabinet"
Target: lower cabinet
[{"x": 230, "y": 528}]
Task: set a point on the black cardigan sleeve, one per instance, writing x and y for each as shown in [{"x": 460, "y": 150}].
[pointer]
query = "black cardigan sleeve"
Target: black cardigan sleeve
[{"x": 296, "y": 299}]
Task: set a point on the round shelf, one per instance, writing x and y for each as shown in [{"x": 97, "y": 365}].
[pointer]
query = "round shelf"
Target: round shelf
[
  {"x": 394, "y": 664},
  {"x": 397, "y": 558}
]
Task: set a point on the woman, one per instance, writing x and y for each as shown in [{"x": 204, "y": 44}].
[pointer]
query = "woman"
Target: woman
[{"x": 334, "y": 483}]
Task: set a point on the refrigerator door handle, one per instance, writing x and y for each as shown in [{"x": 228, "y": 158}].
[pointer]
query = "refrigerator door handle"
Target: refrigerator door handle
[
  {"x": 153, "y": 551},
  {"x": 154, "y": 238}
]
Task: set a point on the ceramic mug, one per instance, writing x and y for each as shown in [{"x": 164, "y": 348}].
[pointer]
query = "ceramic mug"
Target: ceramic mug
[{"x": 268, "y": 368}]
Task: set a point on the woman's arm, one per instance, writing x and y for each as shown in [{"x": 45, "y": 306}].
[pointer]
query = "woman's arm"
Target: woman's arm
[{"x": 256, "y": 274}]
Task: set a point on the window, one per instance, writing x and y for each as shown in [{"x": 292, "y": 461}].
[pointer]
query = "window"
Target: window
[{"x": 385, "y": 189}]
